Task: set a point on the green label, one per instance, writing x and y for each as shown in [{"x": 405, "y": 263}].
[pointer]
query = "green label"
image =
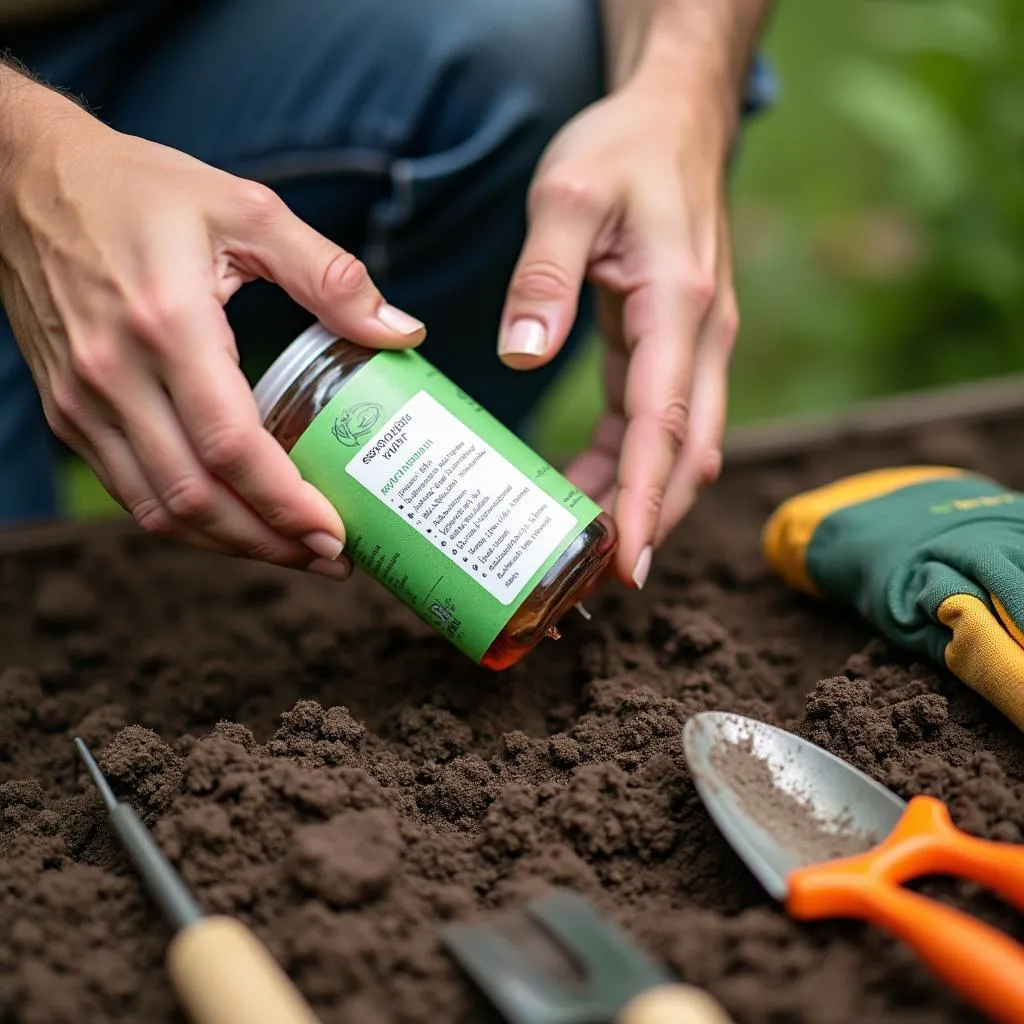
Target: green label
[{"x": 442, "y": 504}]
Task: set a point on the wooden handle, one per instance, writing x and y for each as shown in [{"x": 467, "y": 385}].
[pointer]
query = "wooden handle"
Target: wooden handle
[
  {"x": 673, "y": 1004},
  {"x": 224, "y": 975}
]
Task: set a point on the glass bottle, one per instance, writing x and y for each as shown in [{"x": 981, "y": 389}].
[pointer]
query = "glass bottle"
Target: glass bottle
[{"x": 315, "y": 369}]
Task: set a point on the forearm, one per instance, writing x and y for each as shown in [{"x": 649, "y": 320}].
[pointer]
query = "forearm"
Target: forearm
[{"x": 696, "y": 44}]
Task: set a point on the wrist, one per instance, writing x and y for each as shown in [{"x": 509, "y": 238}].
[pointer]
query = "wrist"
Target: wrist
[
  {"x": 685, "y": 50},
  {"x": 31, "y": 113},
  {"x": 32, "y": 118},
  {"x": 687, "y": 91}
]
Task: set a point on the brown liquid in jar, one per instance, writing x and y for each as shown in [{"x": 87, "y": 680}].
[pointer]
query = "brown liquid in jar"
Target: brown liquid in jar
[{"x": 574, "y": 575}]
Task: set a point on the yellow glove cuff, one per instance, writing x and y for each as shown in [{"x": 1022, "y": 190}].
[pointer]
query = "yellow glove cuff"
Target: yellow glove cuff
[{"x": 789, "y": 529}]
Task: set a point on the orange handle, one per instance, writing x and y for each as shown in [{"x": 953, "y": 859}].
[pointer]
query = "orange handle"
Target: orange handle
[
  {"x": 982, "y": 964},
  {"x": 933, "y": 845}
]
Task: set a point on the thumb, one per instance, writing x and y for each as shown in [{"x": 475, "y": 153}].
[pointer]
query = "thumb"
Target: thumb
[
  {"x": 327, "y": 280},
  {"x": 543, "y": 296}
]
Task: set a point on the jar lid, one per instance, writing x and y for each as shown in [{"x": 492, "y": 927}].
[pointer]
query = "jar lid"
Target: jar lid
[{"x": 289, "y": 366}]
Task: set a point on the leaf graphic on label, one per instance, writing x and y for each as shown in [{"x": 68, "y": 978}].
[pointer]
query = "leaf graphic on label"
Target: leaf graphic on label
[
  {"x": 356, "y": 423},
  {"x": 340, "y": 430}
]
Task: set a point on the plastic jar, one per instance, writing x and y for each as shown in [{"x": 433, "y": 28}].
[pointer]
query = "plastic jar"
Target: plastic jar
[{"x": 460, "y": 519}]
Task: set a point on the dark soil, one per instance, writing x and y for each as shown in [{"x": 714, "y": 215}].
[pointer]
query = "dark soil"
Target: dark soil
[{"x": 318, "y": 764}]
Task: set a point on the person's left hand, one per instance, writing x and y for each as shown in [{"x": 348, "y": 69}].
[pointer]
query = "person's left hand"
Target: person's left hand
[{"x": 631, "y": 195}]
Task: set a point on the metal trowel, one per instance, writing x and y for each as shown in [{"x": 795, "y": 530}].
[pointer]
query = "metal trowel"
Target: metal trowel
[
  {"x": 558, "y": 961},
  {"x": 828, "y": 841}
]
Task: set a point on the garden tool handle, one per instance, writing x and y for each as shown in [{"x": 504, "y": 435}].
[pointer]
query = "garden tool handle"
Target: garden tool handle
[
  {"x": 926, "y": 842},
  {"x": 223, "y": 975},
  {"x": 937, "y": 846},
  {"x": 985, "y": 966},
  {"x": 673, "y": 1004}
]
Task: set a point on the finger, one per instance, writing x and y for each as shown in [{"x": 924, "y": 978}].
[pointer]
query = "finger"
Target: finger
[
  {"x": 214, "y": 404},
  {"x": 662, "y": 320},
  {"x": 324, "y": 278},
  {"x": 120, "y": 472},
  {"x": 565, "y": 219},
  {"x": 118, "y": 469},
  {"x": 595, "y": 470},
  {"x": 185, "y": 490},
  {"x": 107, "y": 454},
  {"x": 701, "y": 462}
]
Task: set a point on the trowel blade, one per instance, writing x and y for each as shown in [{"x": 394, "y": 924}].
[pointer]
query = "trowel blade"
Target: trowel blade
[{"x": 792, "y": 805}]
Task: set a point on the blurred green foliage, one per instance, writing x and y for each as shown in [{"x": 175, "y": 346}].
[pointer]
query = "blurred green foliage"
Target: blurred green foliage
[
  {"x": 878, "y": 216},
  {"x": 878, "y": 212}
]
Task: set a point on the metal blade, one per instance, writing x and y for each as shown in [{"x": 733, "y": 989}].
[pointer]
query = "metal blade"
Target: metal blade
[
  {"x": 520, "y": 991},
  {"x": 616, "y": 969},
  {"x": 821, "y": 806},
  {"x": 556, "y": 961}
]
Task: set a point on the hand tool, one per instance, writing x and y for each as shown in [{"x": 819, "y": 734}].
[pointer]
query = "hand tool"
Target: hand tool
[
  {"x": 556, "y": 960},
  {"x": 878, "y": 842},
  {"x": 221, "y": 972}
]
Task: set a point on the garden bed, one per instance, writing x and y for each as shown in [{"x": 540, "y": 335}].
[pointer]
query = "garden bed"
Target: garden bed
[{"x": 320, "y": 765}]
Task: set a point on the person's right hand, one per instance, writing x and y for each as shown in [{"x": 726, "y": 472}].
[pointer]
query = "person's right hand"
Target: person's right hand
[{"x": 116, "y": 258}]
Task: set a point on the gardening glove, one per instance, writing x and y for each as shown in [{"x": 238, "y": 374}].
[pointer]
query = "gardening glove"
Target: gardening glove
[{"x": 932, "y": 556}]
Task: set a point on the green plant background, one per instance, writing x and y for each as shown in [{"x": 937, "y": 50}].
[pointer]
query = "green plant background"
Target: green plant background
[{"x": 878, "y": 217}]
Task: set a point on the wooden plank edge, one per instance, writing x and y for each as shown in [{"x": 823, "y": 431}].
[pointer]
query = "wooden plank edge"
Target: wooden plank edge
[{"x": 963, "y": 403}]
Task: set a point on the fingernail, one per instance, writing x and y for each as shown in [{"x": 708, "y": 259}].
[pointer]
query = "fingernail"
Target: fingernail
[
  {"x": 338, "y": 571},
  {"x": 526, "y": 337},
  {"x": 712, "y": 467},
  {"x": 324, "y": 544},
  {"x": 643, "y": 568},
  {"x": 396, "y": 320}
]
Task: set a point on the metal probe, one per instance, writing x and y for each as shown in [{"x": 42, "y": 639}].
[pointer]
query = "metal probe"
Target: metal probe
[
  {"x": 220, "y": 971},
  {"x": 162, "y": 881}
]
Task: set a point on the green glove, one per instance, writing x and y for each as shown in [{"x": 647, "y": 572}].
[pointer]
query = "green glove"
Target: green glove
[{"x": 932, "y": 556}]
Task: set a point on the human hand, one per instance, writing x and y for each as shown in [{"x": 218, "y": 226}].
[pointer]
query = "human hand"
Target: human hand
[
  {"x": 116, "y": 258},
  {"x": 631, "y": 196}
]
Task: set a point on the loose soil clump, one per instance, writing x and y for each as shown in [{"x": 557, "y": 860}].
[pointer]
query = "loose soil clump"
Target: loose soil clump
[{"x": 317, "y": 763}]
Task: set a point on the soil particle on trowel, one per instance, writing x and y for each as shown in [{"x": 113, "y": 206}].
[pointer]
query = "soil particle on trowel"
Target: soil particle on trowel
[
  {"x": 316, "y": 762},
  {"x": 786, "y": 814}
]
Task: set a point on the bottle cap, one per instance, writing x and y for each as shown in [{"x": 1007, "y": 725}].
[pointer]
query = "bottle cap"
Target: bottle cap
[{"x": 289, "y": 366}]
